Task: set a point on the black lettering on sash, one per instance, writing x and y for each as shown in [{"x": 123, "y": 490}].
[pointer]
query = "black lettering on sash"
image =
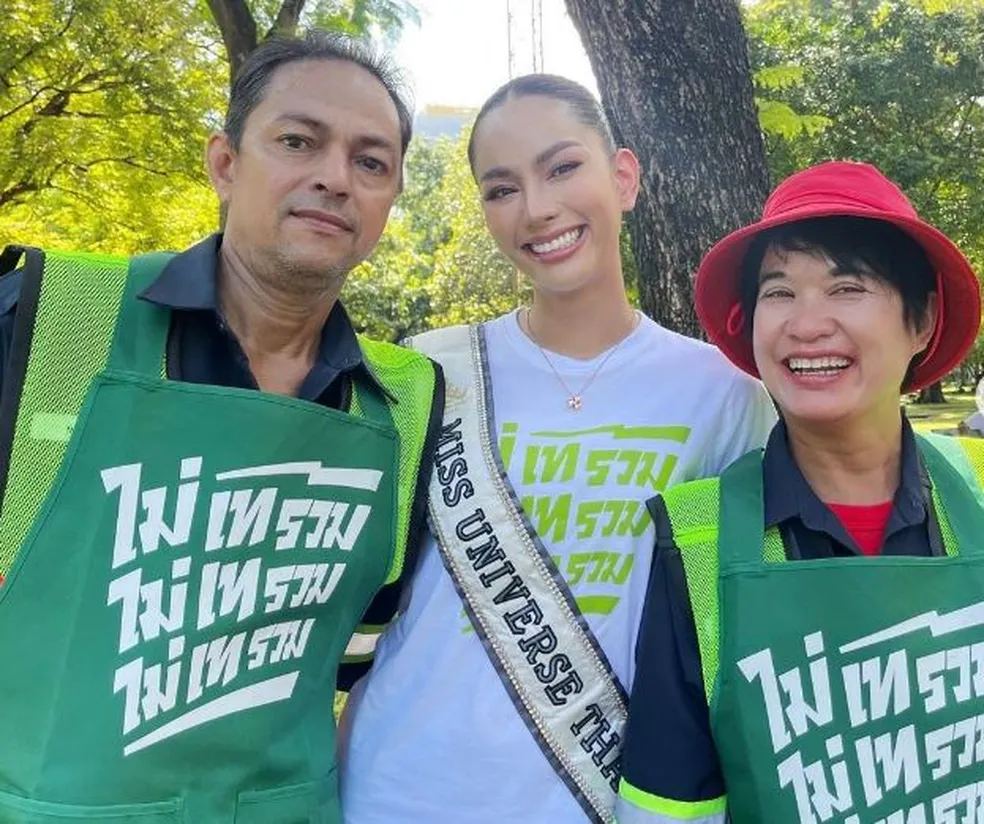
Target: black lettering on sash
[
  {"x": 527, "y": 614},
  {"x": 600, "y": 742},
  {"x": 544, "y": 642},
  {"x": 513, "y": 590},
  {"x": 593, "y": 716},
  {"x": 484, "y": 554},
  {"x": 557, "y": 664},
  {"x": 613, "y": 771},
  {"x": 449, "y": 434},
  {"x": 440, "y": 457},
  {"x": 489, "y": 578},
  {"x": 446, "y": 474},
  {"x": 559, "y": 692},
  {"x": 473, "y": 526},
  {"x": 462, "y": 489}
]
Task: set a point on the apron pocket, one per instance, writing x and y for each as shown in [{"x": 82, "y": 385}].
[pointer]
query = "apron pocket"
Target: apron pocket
[
  {"x": 314, "y": 802},
  {"x": 17, "y": 810}
]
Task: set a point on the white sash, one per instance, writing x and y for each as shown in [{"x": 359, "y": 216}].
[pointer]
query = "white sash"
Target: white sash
[{"x": 546, "y": 655}]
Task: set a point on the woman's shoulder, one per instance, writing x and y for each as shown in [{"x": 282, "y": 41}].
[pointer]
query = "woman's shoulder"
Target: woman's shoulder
[{"x": 690, "y": 353}]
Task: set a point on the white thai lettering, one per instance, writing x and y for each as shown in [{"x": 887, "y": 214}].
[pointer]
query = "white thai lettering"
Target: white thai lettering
[
  {"x": 884, "y": 765},
  {"x": 292, "y": 515},
  {"x": 128, "y": 679},
  {"x": 320, "y": 512},
  {"x": 277, "y": 587},
  {"x": 929, "y": 674},
  {"x": 218, "y": 508},
  {"x": 815, "y": 799},
  {"x": 143, "y": 616},
  {"x": 800, "y": 713},
  {"x": 160, "y": 684},
  {"x": 958, "y": 659},
  {"x": 155, "y": 528},
  {"x": 888, "y": 686},
  {"x": 126, "y": 479},
  {"x": 345, "y": 538},
  {"x": 278, "y": 642},
  {"x": 321, "y": 586},
  {"x": 761, "y": 667},
  {"x": 215, "y": 661},
  {"x": 250, "y": 516},
  {"x": 292, "y": 638},
  {"x": 236, "y": 582}
]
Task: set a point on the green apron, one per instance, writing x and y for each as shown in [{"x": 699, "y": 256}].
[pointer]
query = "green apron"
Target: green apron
[
  {"x": 171, "y": 628},
  {"x": 851, "y": 689}
]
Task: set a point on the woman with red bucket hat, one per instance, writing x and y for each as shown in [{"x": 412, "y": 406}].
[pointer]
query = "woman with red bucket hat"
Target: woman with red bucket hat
[{"x": 813, "y": 644}]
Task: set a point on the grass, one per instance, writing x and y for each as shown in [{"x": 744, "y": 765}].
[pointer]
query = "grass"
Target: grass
[{"x": 941, "y": 417}]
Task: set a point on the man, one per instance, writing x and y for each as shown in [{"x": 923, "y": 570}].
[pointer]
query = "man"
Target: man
[{"x": 186, "y": 557}]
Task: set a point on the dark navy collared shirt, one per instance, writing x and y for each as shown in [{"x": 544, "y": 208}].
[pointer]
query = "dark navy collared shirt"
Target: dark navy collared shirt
[
  {"x": 202, "y": 349},
  {"x": 668, "y": 749}
]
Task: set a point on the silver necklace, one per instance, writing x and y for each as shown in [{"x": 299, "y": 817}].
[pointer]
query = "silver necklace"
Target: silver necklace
[{"x": 575, "y": 400}]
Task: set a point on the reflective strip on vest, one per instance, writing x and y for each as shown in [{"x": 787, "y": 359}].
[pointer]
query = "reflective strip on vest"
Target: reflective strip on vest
[
  {"x": 635, "y": 806},
  {"x": 362, "y": 644}
]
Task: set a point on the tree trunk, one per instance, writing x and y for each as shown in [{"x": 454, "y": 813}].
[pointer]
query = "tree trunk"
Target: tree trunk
[
  {"x": 931, "y": 394},
  {"x": 238, "y": 27},
  {"x": 676, "y": 85}
]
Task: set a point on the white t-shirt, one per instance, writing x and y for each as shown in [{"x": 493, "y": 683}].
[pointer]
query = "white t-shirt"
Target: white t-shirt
[
  {"x": 435, "y": 737},
  {"x": 975, "y": 422}
]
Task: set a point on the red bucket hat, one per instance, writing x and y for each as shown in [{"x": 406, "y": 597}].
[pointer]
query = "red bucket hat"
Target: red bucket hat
[{"x": 842, "y": 188}]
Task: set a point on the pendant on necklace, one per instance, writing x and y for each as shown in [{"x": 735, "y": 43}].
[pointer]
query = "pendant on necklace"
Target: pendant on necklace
[{"x": 574, "y": 403}]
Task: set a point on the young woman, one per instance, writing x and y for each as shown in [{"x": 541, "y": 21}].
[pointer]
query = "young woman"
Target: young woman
[
  {"x": 550, "y": 449},
  {"x": 848, "y": 685}
]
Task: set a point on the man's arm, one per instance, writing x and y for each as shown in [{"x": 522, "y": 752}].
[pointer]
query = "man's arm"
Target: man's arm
[{"x": 670, "y": 769}]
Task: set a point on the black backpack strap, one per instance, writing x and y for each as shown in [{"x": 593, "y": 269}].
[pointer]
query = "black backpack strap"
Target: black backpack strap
[{"x": 15, "y": 370}]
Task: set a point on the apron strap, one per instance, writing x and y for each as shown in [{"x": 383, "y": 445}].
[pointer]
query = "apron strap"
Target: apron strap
[
  {"x": 140, "y": 338},
  {"x": 741, "y": 521},
  {"x": 959, "y": 490},
  {"x": 372, "y": 405}
]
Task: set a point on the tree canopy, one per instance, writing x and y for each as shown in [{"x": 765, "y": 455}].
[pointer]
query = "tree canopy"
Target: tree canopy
[{"x": 105, "y": 106}]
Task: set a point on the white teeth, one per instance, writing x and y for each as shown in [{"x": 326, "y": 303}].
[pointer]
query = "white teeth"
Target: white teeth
[
  {"x": 562, "y": 242},
  {"x": 818, "y": 364}
]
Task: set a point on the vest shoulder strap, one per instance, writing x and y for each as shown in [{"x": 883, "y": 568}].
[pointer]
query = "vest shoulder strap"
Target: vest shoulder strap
[
  {"x": 70, "y": 337},
  {"x": 417, "y": 384},
  {"x": 693, "y": 509}
]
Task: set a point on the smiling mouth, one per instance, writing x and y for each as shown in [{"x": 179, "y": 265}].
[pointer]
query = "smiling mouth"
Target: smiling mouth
[
  {"x": 822, "y": 367},
  {"x": 559, "y": 243},
  {"x": 328, "y": 221}
]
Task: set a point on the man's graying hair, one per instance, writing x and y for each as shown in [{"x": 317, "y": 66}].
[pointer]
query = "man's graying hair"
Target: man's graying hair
[
  {"x": 582, "y": 103},
  {"x": 253, "y": 78}
]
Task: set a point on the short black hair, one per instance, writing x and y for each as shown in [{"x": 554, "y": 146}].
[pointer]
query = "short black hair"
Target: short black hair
[
  {"x": 253, "y": 78},
  {"x": 583, "y": 104},
  {"x": 875, "y": 246}
]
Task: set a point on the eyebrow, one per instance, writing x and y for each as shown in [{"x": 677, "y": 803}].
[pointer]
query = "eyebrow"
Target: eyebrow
[
  {"x": 499, "y": 172},
  {"x": 835, "y": 271},
  {"x": 772, "y": 274},
  {"x": 366, "y": 141},
  {"x": 303, "y": 119}
]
